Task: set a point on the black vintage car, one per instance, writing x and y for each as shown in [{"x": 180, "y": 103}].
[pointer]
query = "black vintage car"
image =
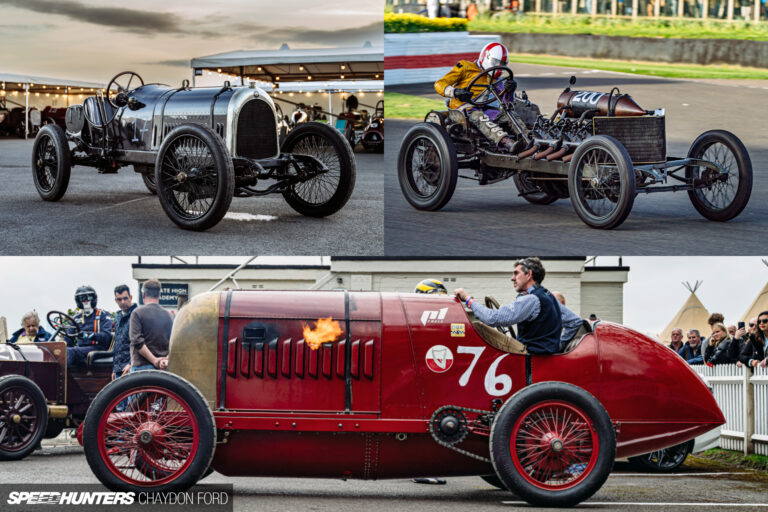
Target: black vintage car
[
  {"x": 598, "y": 149},
  {"x": 39, "y": 395},
  {"x": 197, "y": 148}
]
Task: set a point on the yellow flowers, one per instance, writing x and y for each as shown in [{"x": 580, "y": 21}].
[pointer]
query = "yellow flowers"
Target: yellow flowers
[{"x": 400, "y": 23}]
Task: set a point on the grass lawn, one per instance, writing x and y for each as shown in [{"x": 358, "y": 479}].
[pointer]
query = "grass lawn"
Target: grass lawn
[
  {"x": 685, "y": 29},
  {"x": 645, "y": 68},
  {"x": 407, "y": 106}
]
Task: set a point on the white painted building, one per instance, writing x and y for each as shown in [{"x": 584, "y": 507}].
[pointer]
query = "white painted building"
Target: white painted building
[{"x": 588, "y": 289}]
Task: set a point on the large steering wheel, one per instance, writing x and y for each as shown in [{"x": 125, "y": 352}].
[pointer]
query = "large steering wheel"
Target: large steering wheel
[
  {"x": 485, "y": 94},
  {"x": 61, "y": 322},
  {"x": 492, "y": 303},
  {"x": 120, "y": 85}
]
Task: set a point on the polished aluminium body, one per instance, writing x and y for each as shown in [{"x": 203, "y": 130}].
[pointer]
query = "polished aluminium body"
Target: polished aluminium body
[
  {"x": 408, "y": 389},
  {"x": 197, "y": 148}
]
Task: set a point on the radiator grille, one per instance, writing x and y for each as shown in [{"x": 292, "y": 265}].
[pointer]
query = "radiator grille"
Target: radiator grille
[
  {"x": 644, "y": 137},
  {"x": 256, "y": 131}
]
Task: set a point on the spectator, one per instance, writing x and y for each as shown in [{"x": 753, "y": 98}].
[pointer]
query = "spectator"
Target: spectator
[
  {"x": 732, "y": 330},
  {"x": 720, "y": 347},
  {"x": 95, "y": 327},
  {"x": 713, "y": 319},
  {"x": 691, "y": 351},
  {"x": 676, "y": 339},
  {"x": 31, "y": 331},
  {"x": 560, "y": 297},
  {"x": 150, "y": 331},
  {"x": 742, "y": 341},
  {"x": 121, "y": 359},
  {"x": 755, "y": 351}
]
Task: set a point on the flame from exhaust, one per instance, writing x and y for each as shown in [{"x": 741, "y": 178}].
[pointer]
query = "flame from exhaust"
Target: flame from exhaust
[{"x": 326, "y": 330}]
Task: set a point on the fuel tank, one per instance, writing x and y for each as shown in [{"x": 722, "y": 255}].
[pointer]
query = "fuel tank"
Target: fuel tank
[{"x": 575, "y": 103}]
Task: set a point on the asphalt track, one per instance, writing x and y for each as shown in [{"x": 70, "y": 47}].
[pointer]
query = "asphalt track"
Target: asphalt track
[
  {"x": 493, "y": 220},
  {"x": 114, "y": 214},
  {"x": 625, "y": 490}
]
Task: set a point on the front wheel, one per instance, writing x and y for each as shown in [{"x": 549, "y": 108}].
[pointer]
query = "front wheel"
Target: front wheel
[
  {"x": 195, "y": 177},
  {"x": 51, "y": 162},
  {"x": 23, "y": 416},
  {"x": 725, "y": 195},
  {"x": 601, "y": 182},
  {"x": 326, "y": 193},
  {"x": 149, "y": 431},
  {"x": 553, "y": 444},
  {"x": 427, "y": 167}
]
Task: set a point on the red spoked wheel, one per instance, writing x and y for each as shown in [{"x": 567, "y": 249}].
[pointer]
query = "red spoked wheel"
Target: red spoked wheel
[
  {"x": 553, "y": 444},
  {"x": 153, "y": 431}
]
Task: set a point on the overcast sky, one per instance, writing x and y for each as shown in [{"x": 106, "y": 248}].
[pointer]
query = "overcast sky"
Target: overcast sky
[
  {"x": 652, "y": 296},
  {"x": 94, "y": 40}
]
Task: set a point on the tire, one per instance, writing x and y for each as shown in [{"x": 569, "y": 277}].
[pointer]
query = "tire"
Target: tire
[
  {"x": 200, "y": 202},
  {"x": 147, "y": 176},
  {"x": 53, "y": 428},
  {"x": 494, "y": 481},
  {"x": 531, "y": 422},
  {"x": 723, "y": 200},
  {"x": 24, "y": 412},
  {"x": 664, "y": 461},
  {"x": 428, "y": 147},
  {"x": 110, "y": 435},
  {"x": 531, "y": 192},
  {"x": 51, "y": 162},
  {"x": 327, "y": 193},
  {"x": 603, "y": 202}
]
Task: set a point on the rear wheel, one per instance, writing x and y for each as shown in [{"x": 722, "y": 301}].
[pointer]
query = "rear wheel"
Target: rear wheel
[
  {"x": 427, "y": 167},
  {"x": 194, "y": 177},
  {"x": 664, "y": 460},
  {"x": 328, "y": 192},
  {"x": 23, "y": 417},
  {"x": 553, "y": 444},
  {"x": 725, "y": 196},
  {"x": 601, "y": 182},
  {"x": 51, "y": 162},
  {"x": 149, "y": 431},
  {"x": 532, "y": 192}
]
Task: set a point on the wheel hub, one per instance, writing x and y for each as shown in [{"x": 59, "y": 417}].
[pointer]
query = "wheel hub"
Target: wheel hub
[
  {"x": 149, "y": 433},
  {"x": 181, "y": 177},
  {"x": 16, "y": 418}
]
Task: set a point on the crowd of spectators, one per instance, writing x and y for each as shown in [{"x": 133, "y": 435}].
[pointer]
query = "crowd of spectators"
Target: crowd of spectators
[{"x": 743, "y": 345}]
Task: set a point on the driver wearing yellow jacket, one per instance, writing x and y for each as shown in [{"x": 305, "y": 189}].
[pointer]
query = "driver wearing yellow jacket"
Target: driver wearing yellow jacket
[{"x": 454, "y": 86}]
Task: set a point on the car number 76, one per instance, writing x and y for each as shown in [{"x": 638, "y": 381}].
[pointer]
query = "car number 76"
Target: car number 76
[{"x": 495, "y": 385}]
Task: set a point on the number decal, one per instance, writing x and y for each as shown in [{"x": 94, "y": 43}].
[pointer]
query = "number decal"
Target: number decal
[
  {"x": 493, "y": 381},
  {"x": 495, "y": 385},
  {"x": 475, "y": 351}
]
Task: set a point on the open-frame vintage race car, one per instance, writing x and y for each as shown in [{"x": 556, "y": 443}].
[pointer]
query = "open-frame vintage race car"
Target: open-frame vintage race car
[
  {"x": 598, "y": 149},
  {"x": 368, "y": 385},
  {"x": 39, "y": 395},
  {"x": 197, "y": 148}
]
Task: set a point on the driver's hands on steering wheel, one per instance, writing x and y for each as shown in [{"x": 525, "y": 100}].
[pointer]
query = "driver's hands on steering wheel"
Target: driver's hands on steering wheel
[{"x": 462, "y": 94}]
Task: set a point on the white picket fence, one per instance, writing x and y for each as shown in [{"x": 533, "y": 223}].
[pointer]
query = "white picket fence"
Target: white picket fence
[{"x": 742, "y": 395}]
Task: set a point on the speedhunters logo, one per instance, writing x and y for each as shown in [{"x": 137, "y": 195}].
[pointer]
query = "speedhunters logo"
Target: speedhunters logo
[
  {"x": 64, "y": 497},
  {"x": 69, "y": 498}
]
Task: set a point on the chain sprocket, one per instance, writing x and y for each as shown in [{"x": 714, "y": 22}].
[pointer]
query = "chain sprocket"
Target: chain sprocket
[{"x": 450, "y": 441}]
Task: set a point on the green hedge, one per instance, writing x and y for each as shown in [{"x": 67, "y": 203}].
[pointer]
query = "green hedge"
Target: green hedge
[{"x": 402, "y": 23}]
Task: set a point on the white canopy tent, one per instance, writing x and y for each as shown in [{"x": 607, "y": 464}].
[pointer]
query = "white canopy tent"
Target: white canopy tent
[{"x": 34, "y": 87}]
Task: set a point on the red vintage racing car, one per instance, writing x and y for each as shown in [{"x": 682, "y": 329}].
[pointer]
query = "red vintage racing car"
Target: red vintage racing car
[{"x": 368, "y": 385}]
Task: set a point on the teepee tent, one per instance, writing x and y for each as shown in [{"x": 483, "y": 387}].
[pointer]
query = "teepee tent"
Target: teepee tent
[
  {"x": 692, "y": 315},
  {"x": 758, "y": 305}
]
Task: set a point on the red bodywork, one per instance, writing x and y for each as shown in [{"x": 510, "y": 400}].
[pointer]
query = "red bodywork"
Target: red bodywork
[{"x": 283, "y": 409}]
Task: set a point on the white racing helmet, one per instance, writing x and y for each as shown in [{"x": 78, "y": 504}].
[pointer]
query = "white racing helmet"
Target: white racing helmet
[{"x": 492, "y": 54}]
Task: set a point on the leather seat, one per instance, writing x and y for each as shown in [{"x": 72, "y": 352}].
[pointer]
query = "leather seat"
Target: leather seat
[{"x": 101, "y": 358}]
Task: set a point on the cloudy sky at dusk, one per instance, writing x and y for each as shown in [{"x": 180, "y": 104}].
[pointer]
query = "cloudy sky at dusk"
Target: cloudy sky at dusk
[{"x": 92, "y": 41}]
